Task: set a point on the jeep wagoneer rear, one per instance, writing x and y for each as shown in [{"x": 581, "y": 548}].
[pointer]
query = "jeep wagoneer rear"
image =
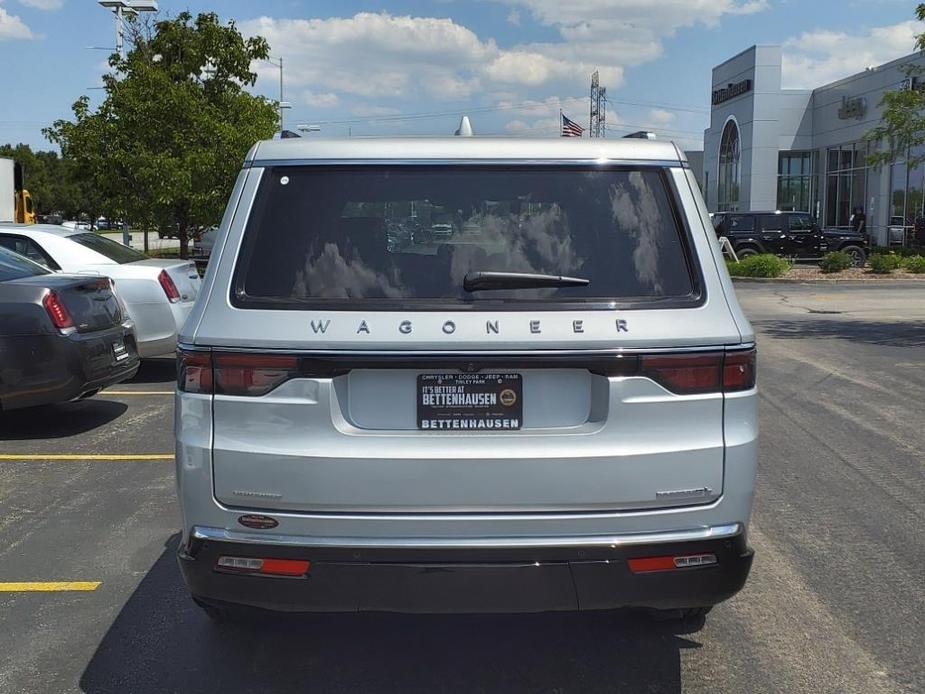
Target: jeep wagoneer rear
[{"x": 549, "y": 405}]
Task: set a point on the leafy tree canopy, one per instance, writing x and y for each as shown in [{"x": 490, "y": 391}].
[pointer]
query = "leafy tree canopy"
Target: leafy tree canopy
[
  {"x": 901, "y": 133},
  {"x": 164, "y": 147}
]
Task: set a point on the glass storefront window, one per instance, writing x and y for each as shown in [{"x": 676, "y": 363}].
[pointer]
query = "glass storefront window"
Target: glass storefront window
[
  {"x": 898, "y": 194},
  {"x": 846, "y": 183},
  {"x": 728, "y": 181},
  {"x": 795, "y": 181}
]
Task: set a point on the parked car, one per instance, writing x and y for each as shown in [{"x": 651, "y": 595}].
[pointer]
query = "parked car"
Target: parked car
[
  {"x": 441, "y": 231},
  {"x": 790, "y": 234},
  {"x": 158, "y": 292},
  {"x": 62, "y": 337},
  {"x": 559, "y": 417},
  {"x": 205, "y": 241}
]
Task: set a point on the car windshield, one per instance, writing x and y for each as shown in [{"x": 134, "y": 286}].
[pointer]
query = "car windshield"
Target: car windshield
[
  {"x": 107, "y": 247},
  {"x": 14, "y": 266},
  {"x": 410, "y": 235}
]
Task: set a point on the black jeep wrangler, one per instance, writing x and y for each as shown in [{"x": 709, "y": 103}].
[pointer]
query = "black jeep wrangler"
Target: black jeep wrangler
[{"x": 790, "y": 234}]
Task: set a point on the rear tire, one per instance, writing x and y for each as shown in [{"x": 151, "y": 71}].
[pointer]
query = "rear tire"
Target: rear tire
[
  {"x": 746, "y": 252},
  {"x": 857, "y": 255},
  {"x": 688, "y": 620}
]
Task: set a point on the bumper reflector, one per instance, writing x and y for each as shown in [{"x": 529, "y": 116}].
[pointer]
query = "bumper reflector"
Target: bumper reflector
[
  {"x": 646, "y": 564},
  {"x": 269, "y": 567}
]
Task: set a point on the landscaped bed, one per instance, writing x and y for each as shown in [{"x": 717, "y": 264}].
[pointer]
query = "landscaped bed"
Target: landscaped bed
[{"x": 833, "y": 267}]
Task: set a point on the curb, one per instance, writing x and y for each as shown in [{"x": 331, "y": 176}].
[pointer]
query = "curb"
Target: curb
[{"x": 833, "y": 280}]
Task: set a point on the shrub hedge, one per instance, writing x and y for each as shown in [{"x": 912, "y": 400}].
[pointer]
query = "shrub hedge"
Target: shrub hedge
[
  {"x": 762, "y": 265},
  {"x": 836, "y": 261}
]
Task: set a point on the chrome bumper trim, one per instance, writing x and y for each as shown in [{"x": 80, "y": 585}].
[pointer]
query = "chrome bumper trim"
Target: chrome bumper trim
[{"x": 601, "y": 541}]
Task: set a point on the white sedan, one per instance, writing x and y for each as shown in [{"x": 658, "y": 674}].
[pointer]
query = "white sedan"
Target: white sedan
[{"x": 158, "y": 293}]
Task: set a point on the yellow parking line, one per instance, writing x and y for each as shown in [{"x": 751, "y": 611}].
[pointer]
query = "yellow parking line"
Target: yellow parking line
[
  {"x": 48, "y": 586},
  {"x": 137, "y": 392},
  {"x": 86, "y": 456}
]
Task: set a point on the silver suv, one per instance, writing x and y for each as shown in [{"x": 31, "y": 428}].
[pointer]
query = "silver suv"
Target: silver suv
[{"x": 556, "y": 411}]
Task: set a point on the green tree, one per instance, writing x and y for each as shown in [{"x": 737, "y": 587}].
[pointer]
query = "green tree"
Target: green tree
[
  {"x": 902, "y": 129},
  {"x": 164, "y": 147}
]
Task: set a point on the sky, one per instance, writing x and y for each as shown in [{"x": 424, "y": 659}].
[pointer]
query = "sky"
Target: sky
[{"x": 409, "y": 67}]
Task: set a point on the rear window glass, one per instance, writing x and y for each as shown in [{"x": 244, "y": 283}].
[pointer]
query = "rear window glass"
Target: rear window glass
[
  {"x": 14, "y": 266},
  {"x": 107, "y": 247},
  {"x": 409, "y": 235}
]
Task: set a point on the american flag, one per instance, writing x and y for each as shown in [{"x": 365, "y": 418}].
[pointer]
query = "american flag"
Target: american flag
[{"x": 570, "y": 128}]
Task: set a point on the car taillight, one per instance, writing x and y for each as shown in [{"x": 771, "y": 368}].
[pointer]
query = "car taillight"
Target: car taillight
[
  {"x": 739, "y": 370},
  {"x": 688, "y": 373},
  {"x": 194, "y": 371},
  {"x": 233, "y": 373},
  {"x": 57, "y": 311},
  {"x": 170, "y": 289},
  {"x": 252, "y": 374},
  {"x": 685, "y": 374}
]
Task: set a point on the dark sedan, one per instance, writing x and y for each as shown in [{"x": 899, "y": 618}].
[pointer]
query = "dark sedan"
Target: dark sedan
[{"x": 62, "y": 337}]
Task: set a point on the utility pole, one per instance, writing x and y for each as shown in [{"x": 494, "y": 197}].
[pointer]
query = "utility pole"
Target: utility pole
[
  {"x": 598, "y": 125},
  {"x": 282, "y": 104},
  {"x": 122, "y": 9}
]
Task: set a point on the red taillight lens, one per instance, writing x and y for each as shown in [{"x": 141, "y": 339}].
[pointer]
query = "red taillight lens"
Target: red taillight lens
[
  {"x": 685, "y": 374},
  {"x": 194, "y": 371},
  {"x": 739, "y": 370},
  {"x": 57, "y": 311},
  {"x": 170, "y": 289},
  {"x": 253, "y": 374}
]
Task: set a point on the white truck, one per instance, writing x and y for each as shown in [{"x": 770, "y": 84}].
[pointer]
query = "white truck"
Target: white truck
[{"x": 15, "y": 201}]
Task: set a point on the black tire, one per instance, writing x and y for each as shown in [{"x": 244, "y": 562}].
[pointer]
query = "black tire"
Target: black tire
[
  {"x": 694, "y": 613},
  {"x": 857, "y": 255},
  {"x": 743, "y": 253}
]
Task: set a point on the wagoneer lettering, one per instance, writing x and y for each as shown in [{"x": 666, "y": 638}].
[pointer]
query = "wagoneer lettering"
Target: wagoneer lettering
[{"x": 417, "y": 353}]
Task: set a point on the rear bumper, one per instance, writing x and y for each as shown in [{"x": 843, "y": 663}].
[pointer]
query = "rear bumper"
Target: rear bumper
[
  {"x": 514, "y": 575},
  {"x": 44, "y": 369}
]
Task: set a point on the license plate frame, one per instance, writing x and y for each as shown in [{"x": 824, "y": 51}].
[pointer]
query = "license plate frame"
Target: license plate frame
[{"x": 474, "y": 402}]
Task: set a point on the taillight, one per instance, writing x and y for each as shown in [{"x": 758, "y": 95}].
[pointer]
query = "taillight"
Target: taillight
[
  {"x": 194, "y": 371},
  {"x": 57, "y": 311},
  {"x": 170, "y": 289},
  {"x": 233, "y": 373},
  {"x": 685, "y": 374},
  {"x": 688, "y": 373},
  {"x": 252, "y": 374},
  {"x": 739, "y": 370}
]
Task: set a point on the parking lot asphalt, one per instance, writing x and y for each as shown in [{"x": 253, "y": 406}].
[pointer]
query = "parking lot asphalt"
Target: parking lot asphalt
[{"x": 835, "y": 602}]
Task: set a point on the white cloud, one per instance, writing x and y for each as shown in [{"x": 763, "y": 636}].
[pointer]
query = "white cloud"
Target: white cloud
[
  {"x": 370, "y": 111},
  {"x": 819, "y": 57},
  {"x": 12, "y": 27},
  {"x": 43, "y": 4},
  {"x": 514, "y": 18},
  {"x": 660, "y": 116},
  {"x": 320, "y": 100}
]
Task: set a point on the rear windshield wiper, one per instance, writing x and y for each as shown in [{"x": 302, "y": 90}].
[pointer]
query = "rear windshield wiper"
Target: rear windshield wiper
[{"x": 475, "y": 281}]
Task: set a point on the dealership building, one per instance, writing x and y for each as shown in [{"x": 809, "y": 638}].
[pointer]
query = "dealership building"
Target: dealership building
[{"x": 769, "y": 148}]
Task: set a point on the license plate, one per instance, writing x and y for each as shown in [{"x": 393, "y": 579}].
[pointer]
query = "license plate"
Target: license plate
[
  {"x": 119, "y": 351},
  {"x": 470, "y": 402}
]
